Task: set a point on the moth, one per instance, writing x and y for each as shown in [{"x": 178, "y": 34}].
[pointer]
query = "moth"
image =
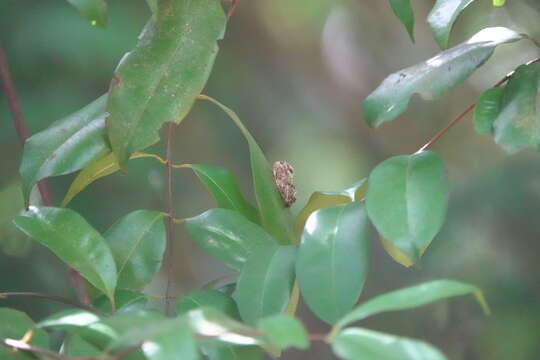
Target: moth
[{"x": 283, "y": 174}]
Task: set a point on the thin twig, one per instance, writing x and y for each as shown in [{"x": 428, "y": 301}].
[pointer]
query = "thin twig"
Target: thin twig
[
  {"x": 18, "y": 119},
  {"x": 232, "y": 8},
  {"x": 170, "y": 220},
  {"x": 458, "y": 118},
  {"x": 23, "y": 134},
  {"x": 53, "y": 298},
  {"x": 21, "y": 345},
  {"x": 318, "y": 337}
]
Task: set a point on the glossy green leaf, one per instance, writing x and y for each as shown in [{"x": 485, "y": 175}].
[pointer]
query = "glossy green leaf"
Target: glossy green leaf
[
  {"x": 222, "y": 184},
  {"x": 70, "y": 319},
  {"x": 227, "y": 235},
  {"x": 66, "y": 146},
  {"x": 95, "y": 11},
  {"x": 487, "y": 109},
  {"x": 499, "y": 3},
  {"x": 266, "y": 282},
  {"x": 74, "y": 241},
  {"x": 517, "y": 125},
  {"x": 137, "y": 242},
  {"x": 406, "y": 200},
  {"x": 208, "y": 298},
  {"x": 404, "y": 12},
  {"x": 357, "y": 343},
  {"x": 212, "y": 323},
  {"x": 160, "y": 79},
  {"x": 125, "y": 300},
  {"x": 334, "y": 256},
  {"x": 442, "y": 18},
  {"x": 275, "y": 218},
  {"x": 323, "y": 199},
  {"x": 284, "y": 331},
  {"x": 15, "y": 324},
  {"x": 162, "y": 339},
  {"x": 411, "y": 297},
  {"x": 434, "y": 77}
]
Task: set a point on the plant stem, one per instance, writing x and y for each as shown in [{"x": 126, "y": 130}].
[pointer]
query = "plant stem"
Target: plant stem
[
  {"x": 232, "y": 8},
  {"x": 23, "y": 134},
  {"x": 458, "y": 118},
  {"x": 53, "y": 298},
  {"x": 170, "y": 220},
  {"x": 21, "y": 345}
]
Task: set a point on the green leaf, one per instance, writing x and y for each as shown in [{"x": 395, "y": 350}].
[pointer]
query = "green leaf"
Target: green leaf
[
  {"x": 15, "y": 325},
  {"x": 323, "y": 199},
  {"x": 357, "y": 343},
  {"x": 227, "y": 235},
  {"x": 404, "y": 12},
  {"x": 487, "y": 109},
  {"x": 74, "y": 241},
  {"x": 265, "y": 283},
  {"x": 228, "y": 352},
  {"x": 66, "y": 146},
  {"x": 160, "y": 79},
  {"x": 125, "y": 300},
  {"x": 284, "y": 331},
  {"x": 95, "y": 11},
  {"x": 222, "y": 184},
  {"x": 406, "y": 200},
  {"x": 412, "y": 297},
  {"x": 137, "y": 242},
  {"x": 499, "y": 3},
  {"x": 74, "y": 345},
  {"x": 152, "y": 4},
  {"x": 517, "y": 125},
  {"x": 211, "y": 323},
  {"x": 275, "y": 218},
  {"x": 208, "y": 298},
  {"x": 102, "y": 166},
  {"x": 434, "y": 77},
  {"x": 334, "y": 256},
  {"x": 442, "y": 18}
]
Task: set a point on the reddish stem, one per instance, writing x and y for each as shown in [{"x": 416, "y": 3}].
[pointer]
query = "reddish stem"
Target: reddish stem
[
  {"x": 458, "y": 118},
  {"x": 23, "y": 134}
]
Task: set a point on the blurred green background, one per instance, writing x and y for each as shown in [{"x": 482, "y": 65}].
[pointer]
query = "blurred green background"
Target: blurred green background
[{"x": 296, "y": 72}]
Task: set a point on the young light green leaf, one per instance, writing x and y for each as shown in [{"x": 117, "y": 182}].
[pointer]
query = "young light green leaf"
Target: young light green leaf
[
  {"x": 411, "y": 297},
  {"x": 95, "y": 11},
  {"x": 323, "y": 199},
  {"x": 160, "y": 79},
  {"x": 66, "y": 146},
  {"x": 488, "y": 107},
  {"x": 222, "y": 184},
  {"x": 137, "y": 242},
  {"x": 334, "y": 256},
  {"x": 265, "y": 283},
  {"x": 406, "y": 200},
  {"x": 227, "y": 235},
  {"x": 275, "y": 218},
  {"x": 357, "y": 343},
  {"x": 14, "y": 325},
  {"x": 208, "y": 298},
  {"x": 74, "y": 241},
  {"x": 404, "y": 12},
  {"x": 442, "y": 18},
  {"x": 517, "y": 125},
  {"x": 284, "y": 331},
  {"x": 434, "y": 77},
  {"x": 499, "y": 3}
]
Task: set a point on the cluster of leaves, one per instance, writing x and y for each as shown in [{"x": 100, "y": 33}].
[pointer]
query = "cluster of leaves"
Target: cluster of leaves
[{"x": 322, "y": 254}]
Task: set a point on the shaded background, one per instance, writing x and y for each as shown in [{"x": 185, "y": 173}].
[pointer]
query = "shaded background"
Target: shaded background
[{"x": 296, "y": 72}]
